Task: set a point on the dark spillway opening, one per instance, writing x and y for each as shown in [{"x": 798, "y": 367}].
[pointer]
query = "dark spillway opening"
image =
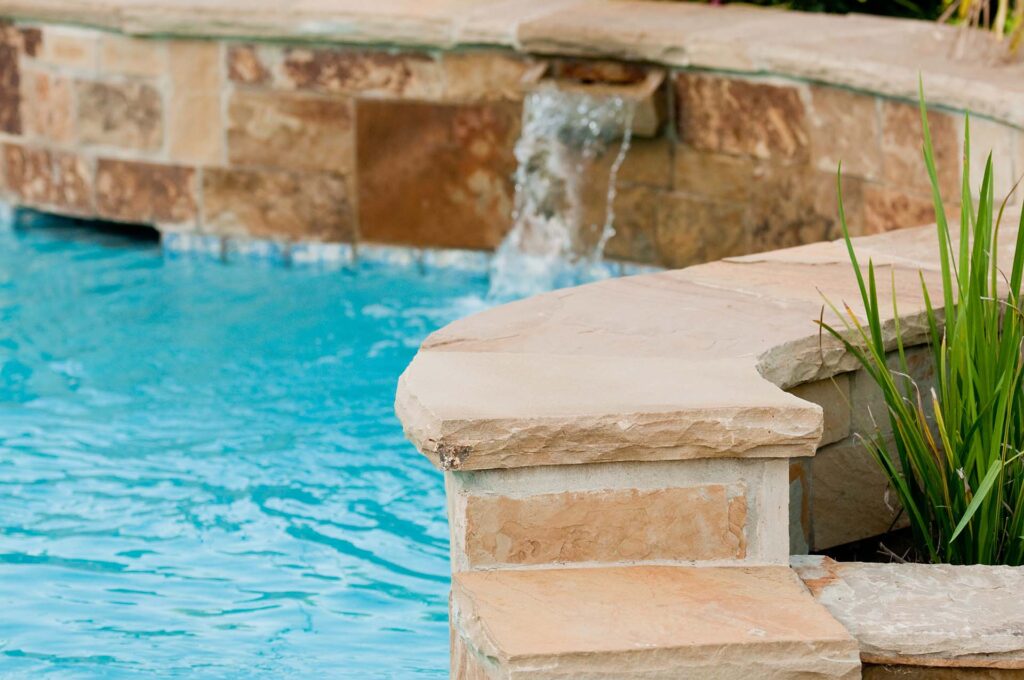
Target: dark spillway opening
[{"x": 112, "y": 233}]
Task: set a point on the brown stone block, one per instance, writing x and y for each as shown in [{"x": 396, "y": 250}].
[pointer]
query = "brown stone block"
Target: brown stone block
[
  {"x": 736, "y": 116},
  {"x": 886, "y": 209},
  {"x": 291, "y": 131},
  {"x": 29, "y": 174},
  {"x": 146, "y": 193},
  {"x": 31, "y": 40},
  {"x": 692, "y": 230},
  {"x": 126, "y": 115},
  {"x": 902, "y": 161},
  {"x": 793, "y": 205},
  {"x": 606, "y": 526},
  {"x": 275, "y": 204},
  {"x": 635, "y": 224},
  {"x": 46, "y": 107},
  {"x": 246, "y": 65},
  {"x": 845, "y": 129},
  {"x": 10, "y": 90},
  {"x": 73, "y": 184},
  {"x": 436, "y": 175},
  {"x": 371, "y": 73},
  {"x": 485, "y": 75}
]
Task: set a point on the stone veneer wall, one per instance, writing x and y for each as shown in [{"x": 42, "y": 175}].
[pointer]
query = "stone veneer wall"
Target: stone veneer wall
[{"x": 315, "y": 142}]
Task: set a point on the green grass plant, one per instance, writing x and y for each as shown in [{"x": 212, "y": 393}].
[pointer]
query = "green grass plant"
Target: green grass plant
[{"x": 954, "y": 457}]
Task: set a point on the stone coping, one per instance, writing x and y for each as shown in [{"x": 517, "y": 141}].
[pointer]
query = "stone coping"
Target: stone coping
[
  {"x": 645, "y": 622},
  {"x": 933, "y": 615},
  {"x": 876, "y": 54},
  {"x": 683, "y": 364}
]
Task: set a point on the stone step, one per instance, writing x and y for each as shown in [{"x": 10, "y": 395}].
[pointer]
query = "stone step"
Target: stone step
[{"x": 711, "y": 623}]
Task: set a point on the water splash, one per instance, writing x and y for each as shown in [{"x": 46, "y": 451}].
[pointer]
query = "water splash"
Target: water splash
[{"x": 552, "y": 243}]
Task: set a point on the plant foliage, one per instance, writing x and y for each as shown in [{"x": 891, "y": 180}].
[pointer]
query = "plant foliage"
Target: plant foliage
[{"x": 954, "y": 457}]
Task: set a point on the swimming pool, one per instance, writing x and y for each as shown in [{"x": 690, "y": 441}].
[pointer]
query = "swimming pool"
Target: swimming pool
[{"x": 201, "y": 474}]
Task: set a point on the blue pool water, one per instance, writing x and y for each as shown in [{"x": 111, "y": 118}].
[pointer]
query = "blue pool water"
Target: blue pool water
[{"x": 201, "y": 474}]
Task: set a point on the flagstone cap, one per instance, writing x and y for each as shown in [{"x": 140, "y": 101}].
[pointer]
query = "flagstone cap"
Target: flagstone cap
[
  {"x": 875, "y": 54},
  {"x": 714, "y": 622},
  {"x": 924, "y": 614}
]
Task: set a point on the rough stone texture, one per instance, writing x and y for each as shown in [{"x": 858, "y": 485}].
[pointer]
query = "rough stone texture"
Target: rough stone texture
[
  {"x": 146, "y": 193},
  {"x": 277, "y": 204},
  {"x": 482, "y": 75},
  {"x": 125, "y": 115},
  {"x": 291, "y": 132},
  {"x": 693, "y": 230},
  {"x": 833, "y": 396},
  {"x": 607, "y": 526},
  {"x": 46, "y": 111},
  {"x": 28, "y": 174},
  {"x": 73, "y": 184},
  {"x": 195, "y": 128},
  {"x": 845, "y": 128},
  {"x": 741, "y": 117},
  {"x": 408, "y": 75},
  {"x": 922, "y": 614},
  {"x": 10, "y": 90},
  {"x": 887, "y": 209},
  {"x": 711, "y": 623},
  {"x": 245, "y": 65},
  {"x": 896, "y": 672},
  {"x": 435, "y": 175}
]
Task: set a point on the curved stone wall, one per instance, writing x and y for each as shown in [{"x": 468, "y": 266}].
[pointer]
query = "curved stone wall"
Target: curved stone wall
[{"x": 341, "y": 123}]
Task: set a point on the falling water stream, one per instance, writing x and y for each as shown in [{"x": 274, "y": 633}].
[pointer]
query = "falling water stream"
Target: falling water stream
[{"x": 551, "y": 244}]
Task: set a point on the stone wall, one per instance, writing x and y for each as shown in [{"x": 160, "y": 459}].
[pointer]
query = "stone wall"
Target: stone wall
[{"x": 312, "y": 142}]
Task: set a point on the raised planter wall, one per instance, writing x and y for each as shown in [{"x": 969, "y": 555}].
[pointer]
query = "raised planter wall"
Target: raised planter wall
[{"x": 315, "y": 133}]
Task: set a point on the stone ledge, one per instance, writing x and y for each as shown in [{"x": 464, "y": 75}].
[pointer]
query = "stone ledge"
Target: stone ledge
[
  {"x": 875, "y": 54},
  {"x": 645, "y": 622},
  {"x": 923, "y": 614},
  {"x": 671, "y": 366}
]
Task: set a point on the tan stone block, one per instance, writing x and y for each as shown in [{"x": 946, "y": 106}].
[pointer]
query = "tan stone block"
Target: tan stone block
[
  {"x": 691, "y": 230},
  {"x": 10, "y": 90},
  {"x": 902, "y": 162},
  {"x": 73, "y": 184},
  {"x": 125, "y": 115},
  {"x": 291, "y": 131},
  {"x": 364, "y": 72},
  {"x": 195, "y": 129},
  {"x": 28, "y": 174},
  {"x": 275, "y": 204},
  {"x": 999, "y": 140},
  {"x": 247, "y": 64},
  {"x": 833, "y": 396},
  {"x": 145, "y": 193},
  {"x": 635, "y": 223},
  {"x": 736, "y": 116},
  {"x": 888, "y": 209},
  {"x": 845, "y": 129},
  {"x": 70, "y": 47},
  {"x": 650, "y": 622},
  {"x": 47, "y": 111},
  {"x": 485, "y": 75},
  {"x": 121, "y": 55},
  {"x": 195, "y": 65},
  {"x": 607, "y": 526},
  {"x": 850, "y": 496},
  {"x": 714, "y": 175},
  {"x": 436, "y": 175}
]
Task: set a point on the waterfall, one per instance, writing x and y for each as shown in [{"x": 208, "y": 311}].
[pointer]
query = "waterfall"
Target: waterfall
[{"x": 551, "y": 244}]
